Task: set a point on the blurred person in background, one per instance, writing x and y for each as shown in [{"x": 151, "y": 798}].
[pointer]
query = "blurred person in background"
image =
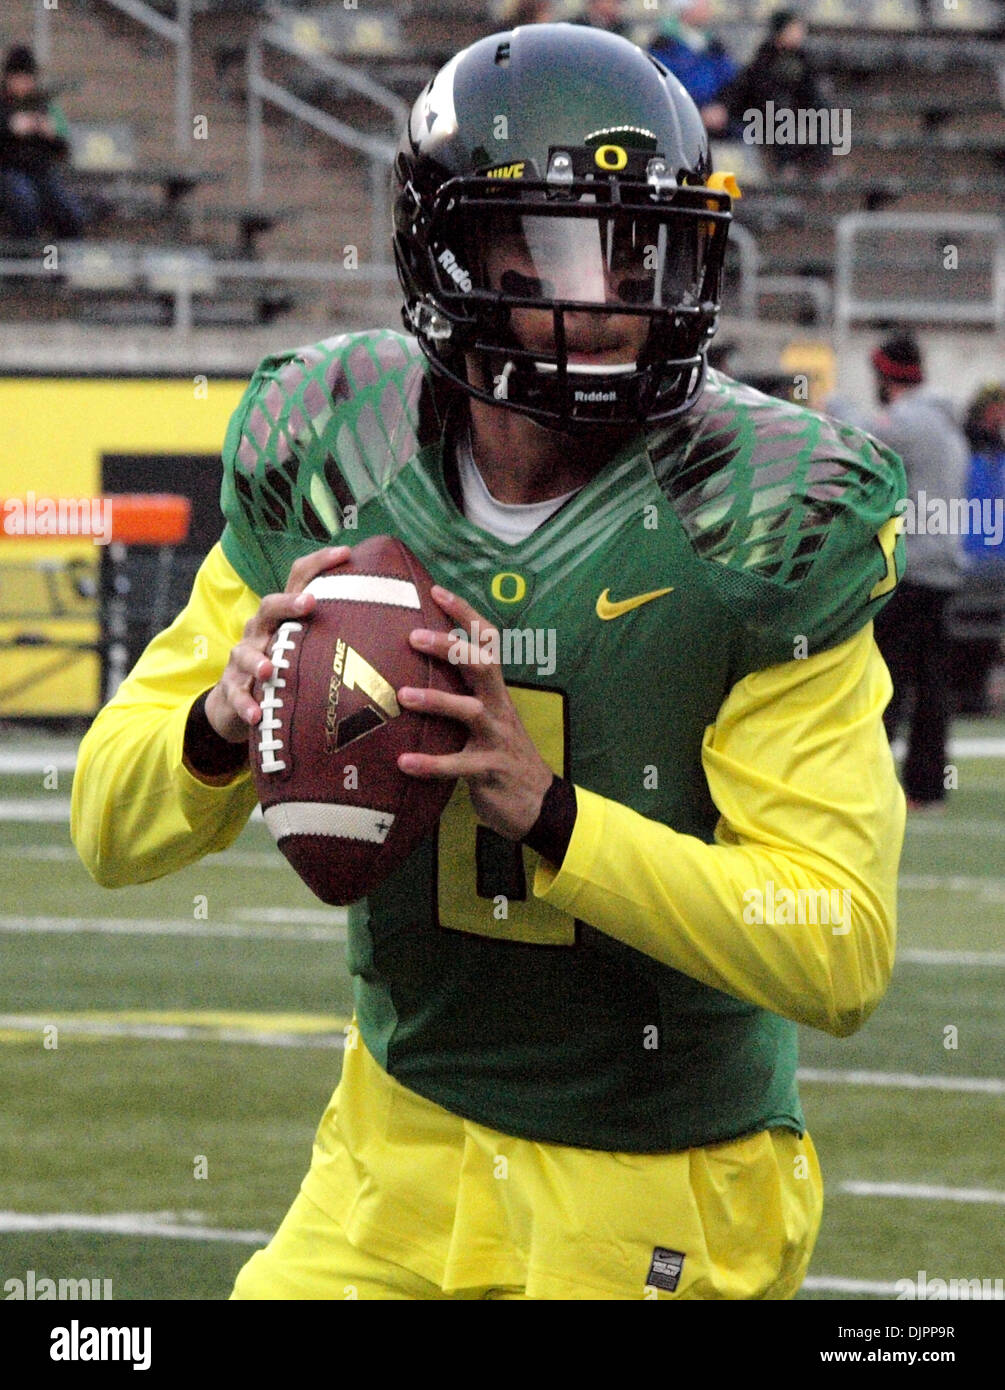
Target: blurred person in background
[
  {"x": 912, "y": 630},
  {"x": 984, "y": 427},
  {"x": 529, "y": 12},
  {"x": 33, "y": 143},
  {"x": 604, "y": 14},
  {"x": 781, "y": 72},
  {"x": 984, "y": 549},
  {"x": 697, "y": 59}
]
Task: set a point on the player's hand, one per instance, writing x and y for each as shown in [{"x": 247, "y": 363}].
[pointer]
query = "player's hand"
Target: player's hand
[
  {"x": 506, "y": 775},
  {"x": 230, "y": 708}
]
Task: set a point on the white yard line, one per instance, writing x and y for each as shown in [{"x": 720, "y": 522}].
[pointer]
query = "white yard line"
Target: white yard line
[
  {"x": 985, "y": 1085},
  {"x": 953, "y": 883},
  {"x": 178, "y": 1032},
  {"x": 323, "y": 916},
  {"x": 126, "y": 1223},
  {"x": 170, "y": 1032},
  {"x": 228, "y": 859},
  {"x": 158, "y": 926},
  {"x": 310, "y": 924},
  {"x": 824, "y": 1283},
  {"x": 977, "y": 747},
  {"x": 52, "y": 809},
  {"x": 983, "y": 959},
  {"x": 22, "y": 762},
  {"x": 924, "y": 824},
  {"x": 925, "y": 1192},
  {"x": 981, "y": 747}
]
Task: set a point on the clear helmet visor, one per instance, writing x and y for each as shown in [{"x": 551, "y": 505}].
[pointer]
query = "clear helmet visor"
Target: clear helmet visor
[{"x": 610, "y": 258}]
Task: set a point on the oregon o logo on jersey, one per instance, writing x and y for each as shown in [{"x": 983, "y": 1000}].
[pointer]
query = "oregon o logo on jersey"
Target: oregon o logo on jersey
[{"x": 509, "y": 587}]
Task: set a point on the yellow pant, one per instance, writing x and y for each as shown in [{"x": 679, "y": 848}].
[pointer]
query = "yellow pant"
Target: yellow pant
[{"x": 406, "y": 1200}]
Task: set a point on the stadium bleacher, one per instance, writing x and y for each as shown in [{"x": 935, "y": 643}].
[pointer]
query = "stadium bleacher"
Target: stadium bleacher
[{"x": 920, "y": 82}]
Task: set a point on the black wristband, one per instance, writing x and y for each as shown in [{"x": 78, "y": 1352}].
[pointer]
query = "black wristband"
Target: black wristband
[
  {"x": 551, "y": 832},
  {"x": 205, "y": 750}
]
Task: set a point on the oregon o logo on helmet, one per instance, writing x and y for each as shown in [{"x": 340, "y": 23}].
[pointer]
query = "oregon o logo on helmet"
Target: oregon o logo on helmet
[
  {"x": 613, "y": 158},
  {"x": 517, "y": 587}
]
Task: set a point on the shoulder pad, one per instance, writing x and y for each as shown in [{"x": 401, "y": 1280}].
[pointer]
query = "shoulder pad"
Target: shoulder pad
[{"x": 787, "y": 507}]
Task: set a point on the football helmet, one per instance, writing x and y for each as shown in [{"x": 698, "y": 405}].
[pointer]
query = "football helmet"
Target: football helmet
[{"x": 558, "y": 231}]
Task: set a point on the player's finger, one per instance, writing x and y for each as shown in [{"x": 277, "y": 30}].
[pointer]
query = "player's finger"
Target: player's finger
[
  {"x": 248, "y": 659},
  {"x": 478, "y": 665},
  {"x": 465, "y": 708},
  {"x": 248, "y": 662},
  {"x": 444, "y": 766},
  {"x": 238, "y": 697},
  {"x": 308, "y": 567},
  {"x": 456, "y": 607},
  {"x": 274, "y": 610}
]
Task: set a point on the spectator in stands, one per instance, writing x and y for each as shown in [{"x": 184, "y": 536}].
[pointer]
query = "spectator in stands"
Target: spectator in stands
[
  {"x": 697, "y": 59},
  {"x": 781, "y": 72},
  {"x": 604, "y": 14},
  {"x": 33, "y": 141},
  {"x": 529, "y": 12},
  {"x": 912, "y": 630},
  {"x": 976, "y": 657},
  {"x": 985, "y": 430}
]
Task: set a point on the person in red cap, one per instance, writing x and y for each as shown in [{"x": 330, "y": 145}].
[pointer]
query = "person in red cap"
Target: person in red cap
[{"x": 912, "y": 631}]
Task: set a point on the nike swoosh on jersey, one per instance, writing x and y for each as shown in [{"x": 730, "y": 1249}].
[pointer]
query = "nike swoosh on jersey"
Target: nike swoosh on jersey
[{"x": 607, "y": 610}]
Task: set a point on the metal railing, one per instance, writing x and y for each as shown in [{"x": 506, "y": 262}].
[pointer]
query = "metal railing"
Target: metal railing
[
  {"x": 380, "y": 152},
  {"x": 753, "y": 284},
  {"x": 182, "y": 278},
  {"x": 986, "y": 305},
  {"x": 176, "y": 31}
]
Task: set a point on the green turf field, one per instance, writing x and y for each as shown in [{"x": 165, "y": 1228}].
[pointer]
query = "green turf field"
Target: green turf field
[{"x": 199, "y": 1026}]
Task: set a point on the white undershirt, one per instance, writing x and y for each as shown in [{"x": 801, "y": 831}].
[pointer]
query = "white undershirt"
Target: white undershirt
[{"x": 508, "y": 521}]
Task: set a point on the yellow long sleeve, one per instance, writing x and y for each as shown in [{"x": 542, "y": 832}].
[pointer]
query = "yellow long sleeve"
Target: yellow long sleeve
[
  {"x": 137, "y": 812},
  {"x": 799, "y": 767}
]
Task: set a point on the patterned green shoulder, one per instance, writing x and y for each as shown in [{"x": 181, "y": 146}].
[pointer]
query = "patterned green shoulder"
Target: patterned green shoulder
[
  {"x": 794, "y": 514},
  {"x": 319, "y": 429}
]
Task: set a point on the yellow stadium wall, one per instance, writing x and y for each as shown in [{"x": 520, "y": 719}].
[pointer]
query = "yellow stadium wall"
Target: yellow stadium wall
[{"x": 53, "y": 433}]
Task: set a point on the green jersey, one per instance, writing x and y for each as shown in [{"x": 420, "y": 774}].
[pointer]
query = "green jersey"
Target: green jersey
[{"x": 748, "y": 533}]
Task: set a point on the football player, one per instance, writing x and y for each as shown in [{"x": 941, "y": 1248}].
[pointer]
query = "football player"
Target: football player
[{"x": 572, "y": 1072}]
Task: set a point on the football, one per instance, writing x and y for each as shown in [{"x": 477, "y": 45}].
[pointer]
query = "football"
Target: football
[{"x": 325, "y": 753}]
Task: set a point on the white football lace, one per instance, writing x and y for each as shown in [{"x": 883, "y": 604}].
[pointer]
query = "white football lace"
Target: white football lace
[{"x": 269, "y": 746}]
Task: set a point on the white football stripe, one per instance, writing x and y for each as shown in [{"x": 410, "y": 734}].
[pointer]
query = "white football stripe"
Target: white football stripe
[
  {"x": 320, "y": 818},
  {"x": 365, "y": 588}
]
